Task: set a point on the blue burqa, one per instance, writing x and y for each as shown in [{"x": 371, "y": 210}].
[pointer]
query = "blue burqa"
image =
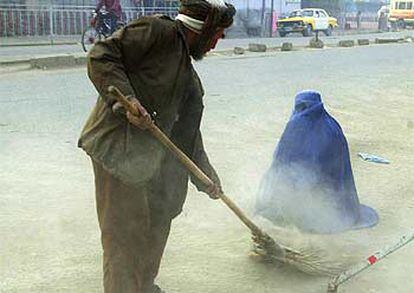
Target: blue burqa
[{"x": 310, "y": 184}]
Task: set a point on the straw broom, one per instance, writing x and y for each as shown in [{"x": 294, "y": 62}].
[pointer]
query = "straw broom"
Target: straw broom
[{"x": 304, "y": 260}]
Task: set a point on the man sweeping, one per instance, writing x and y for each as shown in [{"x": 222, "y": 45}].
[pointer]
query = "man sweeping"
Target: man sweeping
[{"x": 140, "y": 186}]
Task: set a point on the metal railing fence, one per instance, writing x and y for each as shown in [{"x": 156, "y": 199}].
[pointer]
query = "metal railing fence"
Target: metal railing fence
[{"x": 41, "y": 20}]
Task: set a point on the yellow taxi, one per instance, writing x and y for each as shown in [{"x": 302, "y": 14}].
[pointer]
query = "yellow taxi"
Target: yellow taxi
[{"x": 307, "y": 21}]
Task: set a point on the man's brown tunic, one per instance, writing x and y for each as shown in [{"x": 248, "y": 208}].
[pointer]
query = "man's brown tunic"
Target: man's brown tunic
[{"x": 140, "y": 186}]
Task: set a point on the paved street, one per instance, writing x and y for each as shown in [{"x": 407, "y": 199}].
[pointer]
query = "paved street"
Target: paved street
[
  {"x": 50, "y": 236},
  {"x": 27, "y": 52}
]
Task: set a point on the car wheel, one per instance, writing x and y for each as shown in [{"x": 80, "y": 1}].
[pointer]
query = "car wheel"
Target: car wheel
[
  {"x": 328, "y": 32},
  {"x": 308, "y": 31}
]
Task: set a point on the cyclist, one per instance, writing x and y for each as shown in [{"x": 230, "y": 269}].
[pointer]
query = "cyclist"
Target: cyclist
[{"x": 113, "y": 7}]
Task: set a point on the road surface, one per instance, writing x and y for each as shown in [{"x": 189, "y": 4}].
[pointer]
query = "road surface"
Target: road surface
[{"x": 49, "y": 231}]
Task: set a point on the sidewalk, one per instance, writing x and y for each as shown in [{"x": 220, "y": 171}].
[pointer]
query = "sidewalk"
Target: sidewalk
[
  {"x": 75, "y": 39},
  {"x": 39, "y": 40},
  {"x": 25, "y": 50}
]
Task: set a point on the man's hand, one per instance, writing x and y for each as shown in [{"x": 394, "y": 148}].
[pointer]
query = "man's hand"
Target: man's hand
[
  {"x": 118, "y": 109},
  {"x": 214, "y": 191},
  {"x": 143, "y": 120}
]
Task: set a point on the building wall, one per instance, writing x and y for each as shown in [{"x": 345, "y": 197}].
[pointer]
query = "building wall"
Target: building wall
[
  {"x": 333, "y": 7},
  {"x": 336, "y": 7}
]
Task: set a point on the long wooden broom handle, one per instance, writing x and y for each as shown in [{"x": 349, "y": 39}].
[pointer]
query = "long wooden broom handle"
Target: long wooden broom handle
[{"x": 187, "y": 162}]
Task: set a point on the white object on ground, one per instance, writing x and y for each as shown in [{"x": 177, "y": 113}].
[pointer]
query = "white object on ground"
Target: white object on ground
[{"x": 373, "y": 158}]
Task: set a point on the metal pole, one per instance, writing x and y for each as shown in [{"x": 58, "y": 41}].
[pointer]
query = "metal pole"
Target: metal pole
[
  {"x": 14, "y": 25},
  {"x": 4, "y": 24},
  {"x": 272, "y": 5},
  {"x": 281, "y": 6},
  {"x": 36, "y": 23},
  {"x": 51, "y": 23},
  {"x": 76, "y": 25},
  {"x": 263, "y": 11},
  {"x": 20, "y": 22}
]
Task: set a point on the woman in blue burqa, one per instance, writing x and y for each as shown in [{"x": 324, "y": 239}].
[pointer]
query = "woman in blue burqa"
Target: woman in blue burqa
[{"x": 310, "y": 184}]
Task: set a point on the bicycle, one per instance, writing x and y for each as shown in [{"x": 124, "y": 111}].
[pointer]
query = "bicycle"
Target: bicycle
[{"x": 100, "y": 27}]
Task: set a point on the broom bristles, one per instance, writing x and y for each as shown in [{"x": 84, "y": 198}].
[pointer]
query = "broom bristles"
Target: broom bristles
[
  {"x": 325, "y": 255},
  {"x": 310, "y": 261}
]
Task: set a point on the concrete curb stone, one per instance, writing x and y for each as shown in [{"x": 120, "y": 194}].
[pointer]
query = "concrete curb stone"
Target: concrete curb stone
[
  {"x": 387, "y": 41},
  {"x": 363, "y": 42},
  {"x": 286, "y": 47},
  {"x": 14, "y": 62},
  {"x": 346, "y": 43},
  {"x": 81, "y": 60},
  {"x": 53, "y": 62},
  {"x": 257, "y": 47},
  {"x": 239, "y": 50},
  {"x": 58, "y": 61},
  {"x": 316, "y": 44}
]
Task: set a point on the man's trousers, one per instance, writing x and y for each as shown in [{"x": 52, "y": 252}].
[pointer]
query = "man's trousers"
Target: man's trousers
[{"x": 133, "y": 235}]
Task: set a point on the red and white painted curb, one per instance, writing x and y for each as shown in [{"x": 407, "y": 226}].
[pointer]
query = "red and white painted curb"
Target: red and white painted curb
[{"x": 367, "y": 263}]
